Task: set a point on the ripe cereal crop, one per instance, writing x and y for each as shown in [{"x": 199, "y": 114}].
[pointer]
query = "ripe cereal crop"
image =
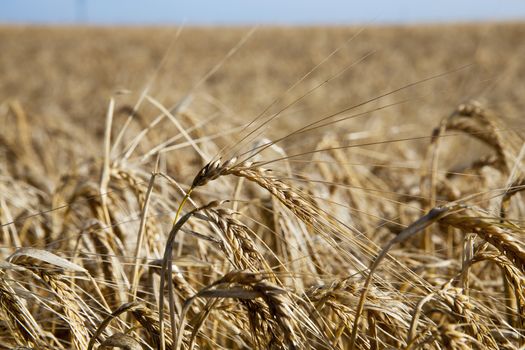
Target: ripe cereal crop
[{"x": 270, "y": 188}]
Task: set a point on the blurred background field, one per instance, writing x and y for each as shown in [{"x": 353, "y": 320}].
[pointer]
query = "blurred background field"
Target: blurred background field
[{"x": 70, "y": 72}]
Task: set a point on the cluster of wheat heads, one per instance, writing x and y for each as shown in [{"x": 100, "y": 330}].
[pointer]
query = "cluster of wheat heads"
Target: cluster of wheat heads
[{"x": 173, "y": 236}]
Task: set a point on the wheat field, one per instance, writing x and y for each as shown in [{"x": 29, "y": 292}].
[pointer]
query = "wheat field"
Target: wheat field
[{"x": 268, "y": 188}]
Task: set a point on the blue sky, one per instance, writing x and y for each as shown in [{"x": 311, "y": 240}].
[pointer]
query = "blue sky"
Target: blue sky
[{"x": 254, "y": 12}]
